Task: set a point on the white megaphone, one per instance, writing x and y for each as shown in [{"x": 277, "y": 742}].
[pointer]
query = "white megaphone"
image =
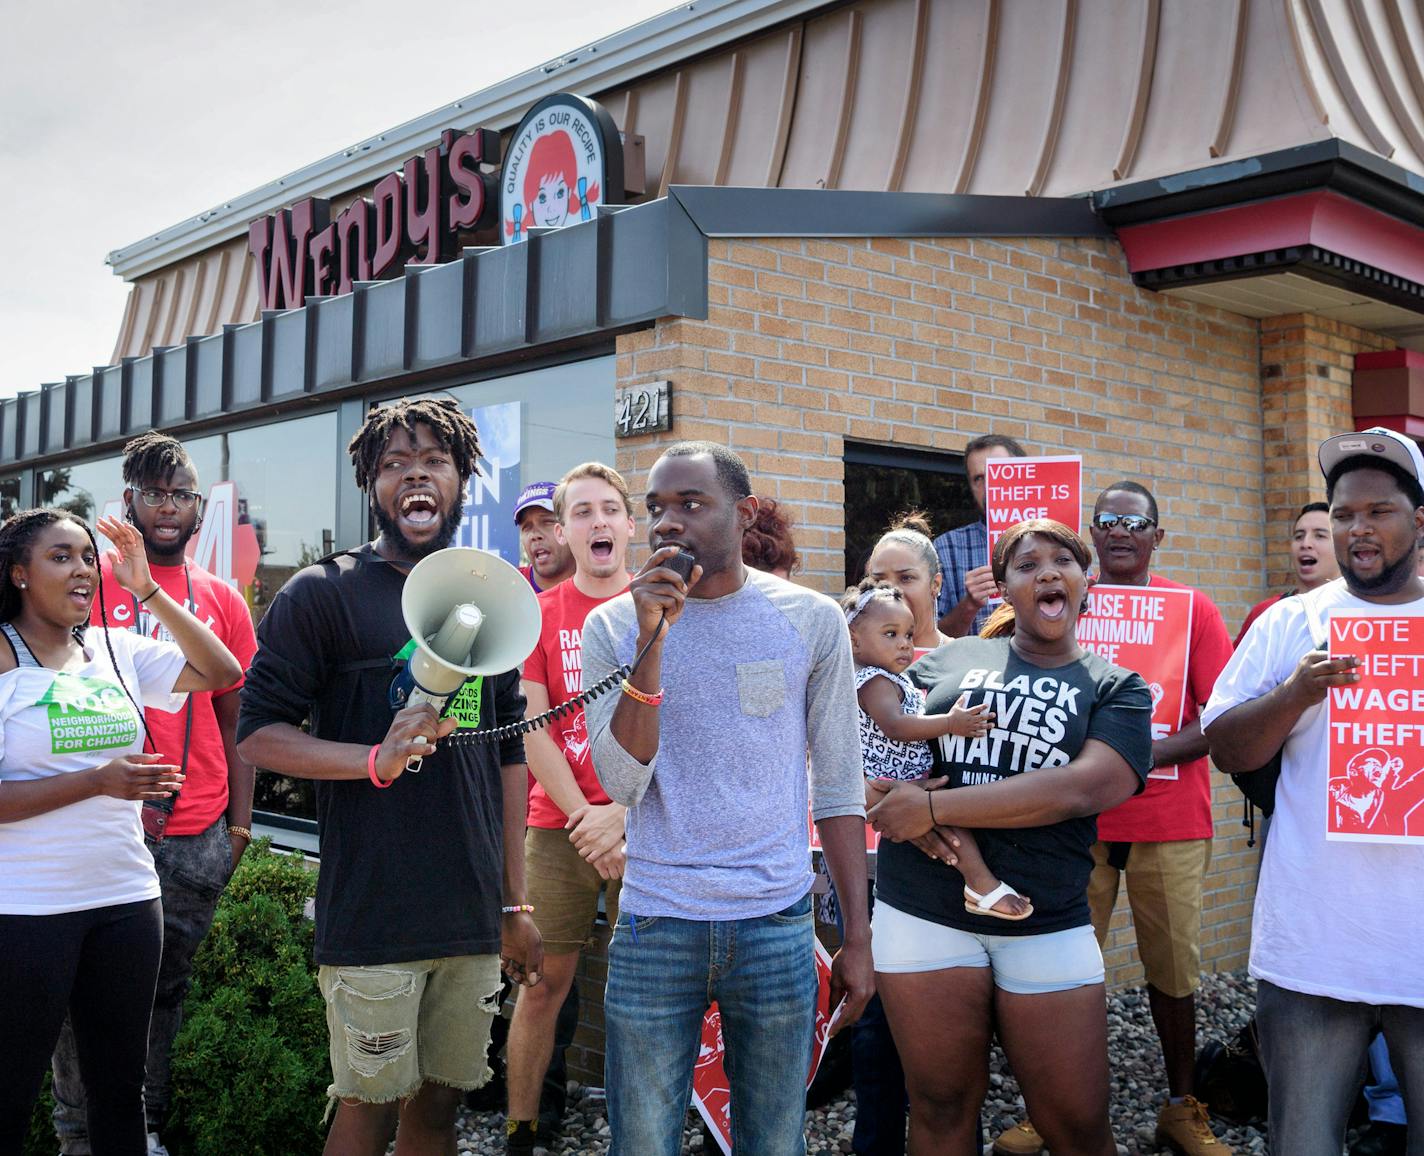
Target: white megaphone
[{"x": 470, "y": 613}]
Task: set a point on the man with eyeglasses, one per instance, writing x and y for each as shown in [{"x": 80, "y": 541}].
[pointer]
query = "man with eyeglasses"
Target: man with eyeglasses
[
  {"x": 1161, "y": 838},
  {"x": 197, "y": 836}
]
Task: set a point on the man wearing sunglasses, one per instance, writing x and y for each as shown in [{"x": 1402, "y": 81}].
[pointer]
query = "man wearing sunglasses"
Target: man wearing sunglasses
[
  {"x": 198, "y": 836},
  {"x": 1161, "y": 838}
]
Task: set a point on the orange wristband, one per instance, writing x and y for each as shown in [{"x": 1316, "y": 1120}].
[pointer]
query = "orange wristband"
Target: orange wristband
[
  {"x": 371, "y": 768},
  {"x": 642, "y": 696}
]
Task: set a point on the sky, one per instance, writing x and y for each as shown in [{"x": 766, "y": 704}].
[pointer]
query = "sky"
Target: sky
[{"x": 119, "y": 120}]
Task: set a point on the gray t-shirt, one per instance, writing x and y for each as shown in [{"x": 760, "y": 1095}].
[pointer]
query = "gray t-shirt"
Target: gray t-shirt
[{"x": 753, "y": 683}]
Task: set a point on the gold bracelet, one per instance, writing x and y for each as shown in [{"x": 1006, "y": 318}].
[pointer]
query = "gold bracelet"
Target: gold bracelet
[
  {"x": 643, "y": 696},
  {"x": 245, "y": 832}
]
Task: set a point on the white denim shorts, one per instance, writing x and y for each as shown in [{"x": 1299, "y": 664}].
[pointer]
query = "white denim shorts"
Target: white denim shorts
[{"x": 1022, "y": 964}]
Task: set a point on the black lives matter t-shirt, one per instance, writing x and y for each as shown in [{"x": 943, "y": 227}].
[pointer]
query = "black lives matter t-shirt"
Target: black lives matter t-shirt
[
  {"x": 414, "y": 870},
  {"x": 1043, "y": 716}
]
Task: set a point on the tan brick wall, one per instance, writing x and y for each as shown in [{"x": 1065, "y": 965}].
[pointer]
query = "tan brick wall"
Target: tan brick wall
[
  {"x": 1307, "y": 365},
  {"x": 927, "y": 343}
]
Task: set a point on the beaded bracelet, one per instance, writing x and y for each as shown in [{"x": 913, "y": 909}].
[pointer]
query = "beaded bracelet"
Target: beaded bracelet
[
  {"x": 517, "y": 908},
  {"x": 371, "y": 769},
  {"x": 245, "y": 832},
  {"x": 643, "y": 696}
]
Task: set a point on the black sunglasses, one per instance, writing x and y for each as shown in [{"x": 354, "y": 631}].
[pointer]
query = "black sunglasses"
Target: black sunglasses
[
  {"x": 183, "y": 499},
  {"x": 1134, "y": 523}
]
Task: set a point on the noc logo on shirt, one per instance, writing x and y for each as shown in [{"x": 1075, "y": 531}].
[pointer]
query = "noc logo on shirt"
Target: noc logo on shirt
[
  {"x": 87, "y": 714},
  {"x": 1030, "y": 717}
]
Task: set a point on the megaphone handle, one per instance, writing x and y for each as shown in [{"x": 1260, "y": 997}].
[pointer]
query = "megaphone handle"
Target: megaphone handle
[{"x": 412, "y": 764}]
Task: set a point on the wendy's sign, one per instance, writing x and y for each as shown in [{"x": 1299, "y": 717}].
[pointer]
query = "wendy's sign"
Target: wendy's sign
[
  {"x": 559, "y": 163},
  {"x": 557, "y": 168}
]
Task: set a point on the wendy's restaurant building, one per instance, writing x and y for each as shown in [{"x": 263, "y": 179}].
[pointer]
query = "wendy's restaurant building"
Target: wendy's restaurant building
[{"x": 1185, "y": 241}]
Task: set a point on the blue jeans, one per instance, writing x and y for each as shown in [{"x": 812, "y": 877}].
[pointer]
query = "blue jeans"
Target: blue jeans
[
  {"x": 192, "y": 872},
  {"x": 662, "y": 975},
  {"x": 1313, "y": 1049}
]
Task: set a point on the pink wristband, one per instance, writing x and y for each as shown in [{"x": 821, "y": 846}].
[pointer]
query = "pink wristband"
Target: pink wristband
[{"x": 371, "y": 768}]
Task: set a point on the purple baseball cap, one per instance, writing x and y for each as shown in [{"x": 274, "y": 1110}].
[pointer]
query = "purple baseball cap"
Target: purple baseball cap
[{"x": 539, "y": 494}]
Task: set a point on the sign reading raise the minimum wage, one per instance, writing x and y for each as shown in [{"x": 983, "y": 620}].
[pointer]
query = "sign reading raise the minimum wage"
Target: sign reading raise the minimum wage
[
  {"x": 1018, "y": 489},
  {"x": 1375, "y": 787},
  {"x": 1147, "y": 629}
]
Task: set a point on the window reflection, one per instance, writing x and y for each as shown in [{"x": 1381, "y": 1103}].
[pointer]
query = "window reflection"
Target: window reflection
[
  {"x": 9, "y": 496},
  {"x": 85, "y": 489}
]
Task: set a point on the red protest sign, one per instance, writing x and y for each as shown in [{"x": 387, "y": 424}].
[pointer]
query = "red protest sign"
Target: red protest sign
[
  {"x": 1147, "y": 629},
  {"x": 711, "y": 1093},
  {"x": 1375, "y": 781},
  {"x": 1018, "y": 489}
]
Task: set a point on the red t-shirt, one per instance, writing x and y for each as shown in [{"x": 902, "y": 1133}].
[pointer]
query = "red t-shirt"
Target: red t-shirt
[
  {"x": 557, "y": 666},
  {"x": 1256, "y": 612},
  {"x": 204, "y": 794},
  {"x": 1173, "y": 809}
]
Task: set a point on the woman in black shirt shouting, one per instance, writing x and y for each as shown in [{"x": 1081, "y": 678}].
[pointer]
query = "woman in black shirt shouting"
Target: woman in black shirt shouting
[{"x": 1071, "y": 738}]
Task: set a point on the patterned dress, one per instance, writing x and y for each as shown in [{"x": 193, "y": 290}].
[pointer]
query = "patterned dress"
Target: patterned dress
[{"x": 884, "y": 757}]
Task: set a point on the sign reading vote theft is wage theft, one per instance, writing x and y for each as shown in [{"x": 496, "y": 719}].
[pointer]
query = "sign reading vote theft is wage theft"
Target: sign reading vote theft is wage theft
[
  {"x": 1375, "y": 784},
  {"x": 1020, "y": 489}
]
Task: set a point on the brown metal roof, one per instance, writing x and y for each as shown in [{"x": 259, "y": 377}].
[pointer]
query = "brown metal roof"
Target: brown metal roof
[{"x": 1017, "y": 97}]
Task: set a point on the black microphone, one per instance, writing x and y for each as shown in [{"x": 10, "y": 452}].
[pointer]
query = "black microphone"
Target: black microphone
[{"x": 681, "y": 564}]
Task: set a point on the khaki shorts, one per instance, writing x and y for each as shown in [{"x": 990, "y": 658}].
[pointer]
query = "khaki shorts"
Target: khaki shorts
[
  {"x": 396, "y": 1026},
  {"x": 563, "y": 889},
  {"x": 1164, "y": 890}
]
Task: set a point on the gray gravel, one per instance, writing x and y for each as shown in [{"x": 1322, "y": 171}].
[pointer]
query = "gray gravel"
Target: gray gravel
[{"x": 1224, "y": 1004}]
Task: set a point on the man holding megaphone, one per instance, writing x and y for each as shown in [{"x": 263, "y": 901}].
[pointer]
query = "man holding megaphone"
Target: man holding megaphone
[{"x": 415, "y": 868}]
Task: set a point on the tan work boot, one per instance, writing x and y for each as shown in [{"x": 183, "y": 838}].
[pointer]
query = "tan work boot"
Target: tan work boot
[
  {"x": 1020, "y": 1140},
  {"x": 1184, "y": 1129}
]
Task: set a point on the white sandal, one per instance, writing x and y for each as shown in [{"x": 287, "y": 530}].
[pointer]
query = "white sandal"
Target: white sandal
[{"x": 977, "y": 904}]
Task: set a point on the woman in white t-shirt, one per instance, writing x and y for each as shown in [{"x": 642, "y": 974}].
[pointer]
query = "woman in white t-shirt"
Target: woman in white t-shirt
[{"x": 80, "y": 920}]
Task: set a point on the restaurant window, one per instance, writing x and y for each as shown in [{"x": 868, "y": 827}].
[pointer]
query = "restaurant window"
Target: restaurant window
[
  {"x": 881, "y": 483},
  {"x": 87, "y": 489},
  {"x": 283, "y": 479},
  {"x": 9, "y": 496},
  {"x": 534, "y": 427}
]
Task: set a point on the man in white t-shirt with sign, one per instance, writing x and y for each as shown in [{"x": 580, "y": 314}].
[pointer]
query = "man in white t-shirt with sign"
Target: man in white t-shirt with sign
[{"x": 1335, "y": 938}]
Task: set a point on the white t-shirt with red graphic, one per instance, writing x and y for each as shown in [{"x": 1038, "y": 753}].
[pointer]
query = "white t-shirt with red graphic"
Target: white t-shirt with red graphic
[
  {"x": 1332, "y": 917},
  {"x": 90, "y": 853},
  {"x": 557, "y": 665}
]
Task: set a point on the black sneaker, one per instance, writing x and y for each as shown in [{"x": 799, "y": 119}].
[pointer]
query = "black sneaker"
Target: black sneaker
[
  {"x": 520, "y": 1137},
  {"x": 1381, "y": 1139}
]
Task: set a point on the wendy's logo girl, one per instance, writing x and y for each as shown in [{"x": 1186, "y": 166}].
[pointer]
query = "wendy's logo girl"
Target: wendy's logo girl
[{"x": 554, "y": 194}]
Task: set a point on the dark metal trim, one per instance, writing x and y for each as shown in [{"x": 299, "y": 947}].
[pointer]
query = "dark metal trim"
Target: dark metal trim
[
  {"x": 904, "y": 457},
  {"x": 741, "y": 212},
  {"x": 561, "y": 291},
  {"x": 1332, "y": 164}
]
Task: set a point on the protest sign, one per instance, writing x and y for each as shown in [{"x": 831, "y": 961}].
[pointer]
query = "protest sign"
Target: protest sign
[
  {"x": 1375, "y": 776},
  {"x": 711, "y": 1092},
  {"x": 1018, "y": 489},
  {"x": 1147, "y": 629}
]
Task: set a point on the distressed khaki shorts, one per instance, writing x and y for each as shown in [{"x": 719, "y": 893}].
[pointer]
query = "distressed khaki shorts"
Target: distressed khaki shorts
[
  {"x": 396, "y": 1026},
  {"x": 563, "y": 889},
  {"x": 1164, "y": 890}
]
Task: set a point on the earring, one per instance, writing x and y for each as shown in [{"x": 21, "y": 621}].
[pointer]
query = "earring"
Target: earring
[
  {"x": 24, "y": 585},
  {"x": 129, "y": 515}
]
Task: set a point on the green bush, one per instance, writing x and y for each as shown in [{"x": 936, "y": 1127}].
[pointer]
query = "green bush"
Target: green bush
[{"x": 250, "y": 1065}]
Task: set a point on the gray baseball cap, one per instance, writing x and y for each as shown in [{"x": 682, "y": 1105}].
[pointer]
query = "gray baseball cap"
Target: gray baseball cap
[{"x": 1377, "y": 441}]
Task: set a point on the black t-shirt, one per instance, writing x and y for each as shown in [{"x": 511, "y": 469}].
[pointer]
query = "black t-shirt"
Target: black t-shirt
[
  {"x": 1044, "y": 715},
  {"x": 415, "y": 870}
]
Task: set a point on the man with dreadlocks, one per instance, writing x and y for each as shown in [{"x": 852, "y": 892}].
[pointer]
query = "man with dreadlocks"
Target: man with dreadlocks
[
  {"x": 409, "y": 934},
  {"x": 196, "y": 835}
]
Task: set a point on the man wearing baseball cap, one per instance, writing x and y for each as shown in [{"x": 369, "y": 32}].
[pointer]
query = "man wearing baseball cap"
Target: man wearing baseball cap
[
  {"x": 1334, "y": 945},
  {"x": 550, "y": 561}
]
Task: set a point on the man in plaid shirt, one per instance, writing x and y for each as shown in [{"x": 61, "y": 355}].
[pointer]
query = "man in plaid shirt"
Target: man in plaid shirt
[{"x": 964, "y": 553}]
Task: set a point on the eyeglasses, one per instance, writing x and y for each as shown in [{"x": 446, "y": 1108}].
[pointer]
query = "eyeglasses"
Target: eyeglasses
[
  {"x": 1134, "y": 523},
  {"x": 183, "y": 499}
]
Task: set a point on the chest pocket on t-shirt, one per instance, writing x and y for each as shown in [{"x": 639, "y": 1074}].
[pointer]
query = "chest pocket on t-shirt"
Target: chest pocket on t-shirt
[{"x": 761, "y": 687}]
